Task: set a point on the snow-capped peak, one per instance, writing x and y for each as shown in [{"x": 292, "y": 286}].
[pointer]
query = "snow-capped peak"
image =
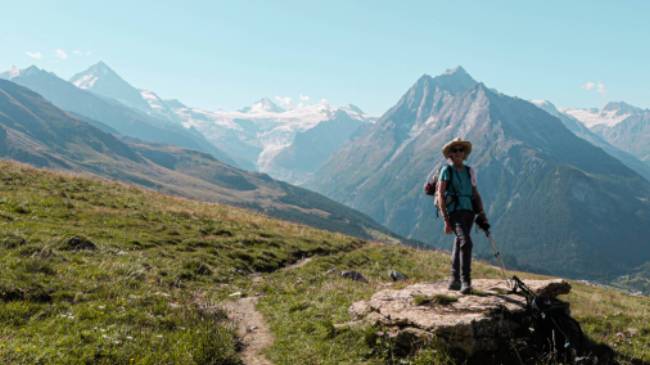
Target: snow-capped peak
[
  {"x": 14, "y": 71},
  {"x": 87, "y": 79},
  {"x": 261, "y": 106}
]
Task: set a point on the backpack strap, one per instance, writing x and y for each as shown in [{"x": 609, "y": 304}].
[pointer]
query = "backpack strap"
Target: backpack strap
[{"x": 454, "y": 193}]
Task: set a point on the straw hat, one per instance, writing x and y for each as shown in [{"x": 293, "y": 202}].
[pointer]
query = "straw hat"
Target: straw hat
[{"x": 457, "y": 142}]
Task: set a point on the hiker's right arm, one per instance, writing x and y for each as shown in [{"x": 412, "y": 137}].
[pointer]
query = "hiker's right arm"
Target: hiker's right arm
[{"x": 442, "y": 203}]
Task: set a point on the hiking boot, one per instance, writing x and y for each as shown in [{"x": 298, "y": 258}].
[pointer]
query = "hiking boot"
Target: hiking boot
[
  {"x": 454, "y": 284},
  {"x": 466, "y": 288}
]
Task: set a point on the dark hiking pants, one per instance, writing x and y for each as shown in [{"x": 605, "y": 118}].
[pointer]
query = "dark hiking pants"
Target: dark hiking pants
[{"x": 461, "y": 254}]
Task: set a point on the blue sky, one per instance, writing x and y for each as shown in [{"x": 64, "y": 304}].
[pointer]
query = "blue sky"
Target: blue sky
[{"x": 227, "y": 54}]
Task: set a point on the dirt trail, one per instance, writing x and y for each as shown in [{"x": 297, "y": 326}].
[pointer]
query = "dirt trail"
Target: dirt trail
[
  {"x": 251, "y": 329},
  {"x": 297, "y": 264},
  {"x": 251, "y": 326}
]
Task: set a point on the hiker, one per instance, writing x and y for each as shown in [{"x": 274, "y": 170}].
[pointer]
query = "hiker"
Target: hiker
[{"x": 459, "y": 200}]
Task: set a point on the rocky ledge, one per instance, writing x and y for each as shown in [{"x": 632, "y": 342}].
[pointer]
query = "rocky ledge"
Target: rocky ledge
[{"x": 476, "y": 323}]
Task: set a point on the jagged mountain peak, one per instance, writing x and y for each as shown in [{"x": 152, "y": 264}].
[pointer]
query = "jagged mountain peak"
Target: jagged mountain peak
[
  {"x": 14, "y": 72},
  {"x": 621, "y": 107},
  {"x": 99, "y": 72},
  {"x": 457, "y": 71},
  {"x": 102, "y": 67},
  {"x": 455, "y": 80}
]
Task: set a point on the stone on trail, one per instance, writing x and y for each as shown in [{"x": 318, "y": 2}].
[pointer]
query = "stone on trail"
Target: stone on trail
[{"x": 472, "y": 323}]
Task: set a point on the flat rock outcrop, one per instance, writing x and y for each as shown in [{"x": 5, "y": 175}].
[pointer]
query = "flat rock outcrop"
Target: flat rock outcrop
[{"x": 471, "y": 323}]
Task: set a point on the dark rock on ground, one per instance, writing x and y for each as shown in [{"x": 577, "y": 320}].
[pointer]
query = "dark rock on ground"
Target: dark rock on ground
[
  {"x": 396, "y": 275},
  {"x": 77, "y": 243},
  {"x": 354, "y": 275}
]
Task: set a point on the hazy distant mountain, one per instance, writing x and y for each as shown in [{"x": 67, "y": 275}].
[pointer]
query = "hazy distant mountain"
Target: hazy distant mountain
[
  {"x": 253, "y": 136},
  {"x": 34, "y": 131},
  {"x": 622, "y": 125},
  {"x": 264, "y": 134},
  {"x": 310, "y": 149},
  {"x": 610, "y": 115},
  {"x": 123, "y": 119},
  {"x": 102, "y": 80},
  {"x": 557, "y": 202},
  {"x": 597, "y": 140},
  {"x": 263, "y": 105}
]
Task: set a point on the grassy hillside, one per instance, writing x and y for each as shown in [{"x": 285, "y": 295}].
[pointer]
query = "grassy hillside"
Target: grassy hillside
[
  {"x": 144, "y": 282},
  {"x": 143, "y": 290}
]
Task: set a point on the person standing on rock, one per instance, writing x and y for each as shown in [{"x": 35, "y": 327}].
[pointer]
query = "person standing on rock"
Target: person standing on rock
[{"x": 459, "y": 201}]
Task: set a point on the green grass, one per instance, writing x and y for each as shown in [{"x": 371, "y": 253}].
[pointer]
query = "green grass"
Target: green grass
[
  {"x": 146, "y": 284},
  {"x": 133, "y": 292}
]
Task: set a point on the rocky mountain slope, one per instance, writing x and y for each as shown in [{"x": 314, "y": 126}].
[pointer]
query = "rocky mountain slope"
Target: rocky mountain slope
[
  {"x": 36, "y": 132},
  {"x": 557, "y": 202}
]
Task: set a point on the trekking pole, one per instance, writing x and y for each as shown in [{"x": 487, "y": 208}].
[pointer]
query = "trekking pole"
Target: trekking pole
[
  {"x": 497, "y": 256},
  {"x": 483, "y": 224}
]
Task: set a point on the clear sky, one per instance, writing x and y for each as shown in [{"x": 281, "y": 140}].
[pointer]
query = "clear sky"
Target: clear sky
[{"x": 216, "y": 54}]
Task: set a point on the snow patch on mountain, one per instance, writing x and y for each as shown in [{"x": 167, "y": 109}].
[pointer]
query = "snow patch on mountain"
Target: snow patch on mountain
[
  {"x": 593, "y": 116},
  {"x": 86, "y": 81},
  {"x": 154, "y": 101},
  {"x": 14, "y": 71}
]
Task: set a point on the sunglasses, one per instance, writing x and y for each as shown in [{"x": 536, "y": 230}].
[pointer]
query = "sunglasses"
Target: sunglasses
[{"x": 454, "y": 150}]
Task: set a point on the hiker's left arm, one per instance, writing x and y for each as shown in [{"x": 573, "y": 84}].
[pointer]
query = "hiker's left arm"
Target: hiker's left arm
[{"x": 479, "y": 201}]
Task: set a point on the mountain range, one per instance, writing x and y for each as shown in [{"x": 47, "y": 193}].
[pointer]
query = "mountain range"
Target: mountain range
[
  {"x": 34, "y": 131},
  {"x": 557, "y": 202},
  {"x": 110, "y": 113},
  {"x": 253, "y": 136}
]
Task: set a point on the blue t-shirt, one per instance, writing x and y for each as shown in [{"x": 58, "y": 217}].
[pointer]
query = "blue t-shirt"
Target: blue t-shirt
[{"x": 462, "y": 182}]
